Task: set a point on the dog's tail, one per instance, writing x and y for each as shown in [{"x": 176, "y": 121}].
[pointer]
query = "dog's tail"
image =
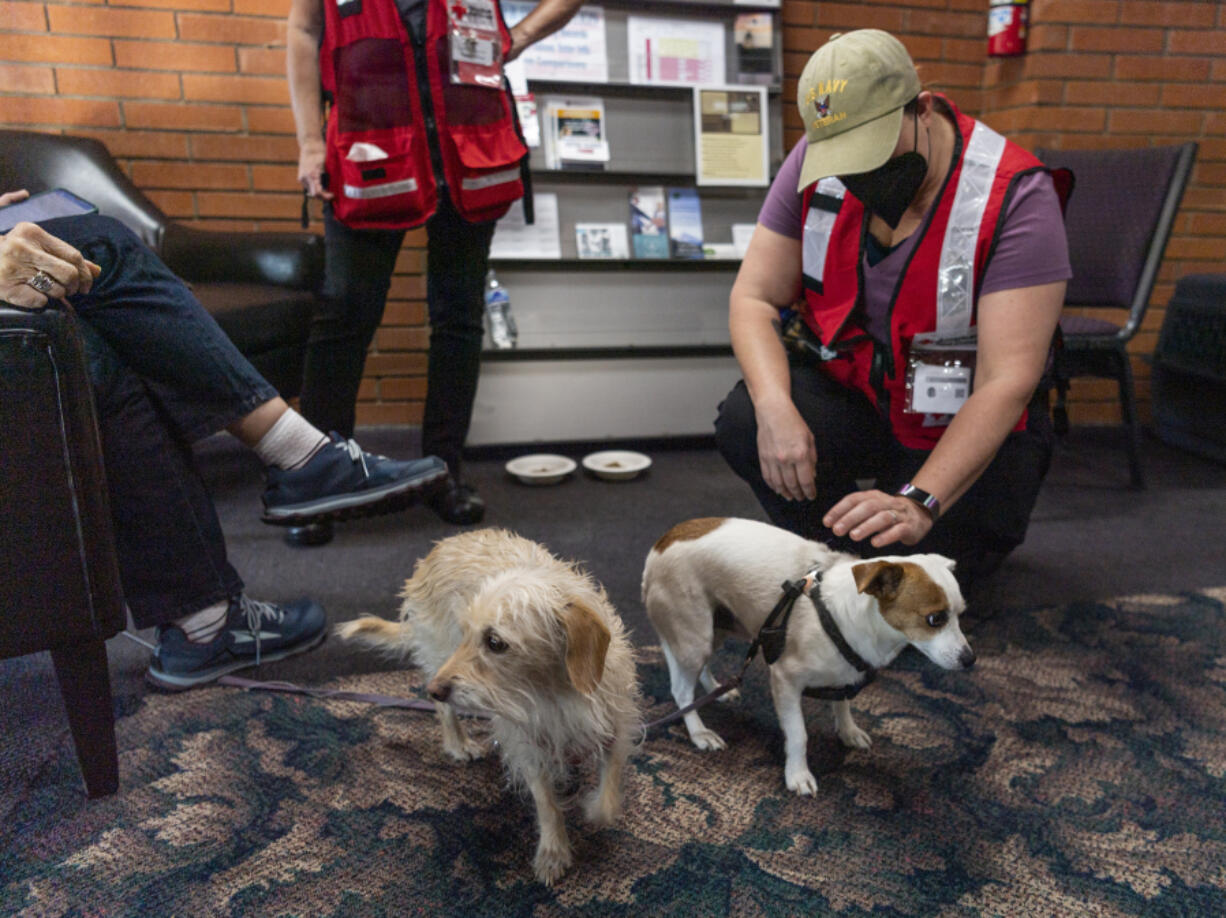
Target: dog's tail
[{"x": 375, "y": 632}]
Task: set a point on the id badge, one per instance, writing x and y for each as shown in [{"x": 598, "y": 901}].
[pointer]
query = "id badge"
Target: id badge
[
  {"x": 940, "y": 375},
  {"x": 476, "y": 44}
]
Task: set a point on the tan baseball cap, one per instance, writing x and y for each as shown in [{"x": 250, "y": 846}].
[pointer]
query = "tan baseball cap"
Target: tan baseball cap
[{"x": 851, "y": 96}]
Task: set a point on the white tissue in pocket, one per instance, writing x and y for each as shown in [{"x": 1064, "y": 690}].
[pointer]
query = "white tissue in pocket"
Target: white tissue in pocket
[{"x": 363, "y": 152}]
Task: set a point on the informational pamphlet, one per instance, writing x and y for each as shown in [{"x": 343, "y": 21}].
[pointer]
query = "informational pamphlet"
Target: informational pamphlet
[
  {"x": 576, "y": 52},
  {"x": 601, "y": 240},
  {"x": 575, "y": 133},
  {"x": 678, "y": 52},
  {"x": 684, "y": 223},
  {"x": 755, "y": 48},
  {"x": 514, "y": 238},
  {"x": 648, "y": 222},
  {"x": 730, "y": 142}
]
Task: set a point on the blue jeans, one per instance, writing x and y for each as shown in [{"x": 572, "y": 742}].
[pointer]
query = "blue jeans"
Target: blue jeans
[
  {"x": 164, "y": 376},
  {"x": 358, "y": 275}
]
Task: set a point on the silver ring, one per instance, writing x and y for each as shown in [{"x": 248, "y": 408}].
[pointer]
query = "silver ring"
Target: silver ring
[
  {"x": 893, "y": 514},
  {"x": 42, "y": 282}
]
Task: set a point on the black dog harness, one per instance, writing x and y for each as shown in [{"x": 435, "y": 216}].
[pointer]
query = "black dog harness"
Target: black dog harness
[{"x": 772, "y": 637}]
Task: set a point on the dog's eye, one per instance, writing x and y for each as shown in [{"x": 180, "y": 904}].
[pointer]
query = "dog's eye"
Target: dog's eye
[
  {"x": 937, "y": 619},
  {"x": 495, "y": 643}
]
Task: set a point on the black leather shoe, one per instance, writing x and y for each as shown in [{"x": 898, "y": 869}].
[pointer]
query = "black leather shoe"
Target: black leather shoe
[
  {"x": 309, "y": 534},
  {"x": 457, "y": 503}
]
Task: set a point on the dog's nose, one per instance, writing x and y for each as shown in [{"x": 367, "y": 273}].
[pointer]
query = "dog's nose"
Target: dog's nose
[
  {"x": 439, "y": 691},
  {"x": 967, "y": 658}
]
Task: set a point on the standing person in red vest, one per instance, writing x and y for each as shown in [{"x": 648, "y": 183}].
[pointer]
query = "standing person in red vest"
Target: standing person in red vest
[
  {"x": 421, "y": 129},
  {"x": 923, "y": 260}
]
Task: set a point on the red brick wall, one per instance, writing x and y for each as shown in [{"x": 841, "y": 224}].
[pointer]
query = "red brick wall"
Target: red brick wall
[
  {"x": 191, "y": 96},
  {"x": 1099, "y": 73}
]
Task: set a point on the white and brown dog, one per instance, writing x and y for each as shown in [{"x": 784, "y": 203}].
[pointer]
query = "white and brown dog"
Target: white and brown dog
[
  {"x": 500, "y": 625},
  {"x": 706, "y": 578}
]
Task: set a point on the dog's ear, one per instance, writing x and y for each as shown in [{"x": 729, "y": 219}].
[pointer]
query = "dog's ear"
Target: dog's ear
[
  {"x": 587, "y": 642},
  {"x": 879, "y": 578}
]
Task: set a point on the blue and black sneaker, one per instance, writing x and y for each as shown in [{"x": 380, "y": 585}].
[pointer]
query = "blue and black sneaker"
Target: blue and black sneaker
[
  {"x": 254, "y": 632},
  {"x": 341, "y": 482}
]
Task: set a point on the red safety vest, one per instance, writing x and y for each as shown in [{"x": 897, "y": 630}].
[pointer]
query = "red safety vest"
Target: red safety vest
[
  {"x": 945, "y": 269},
  {"x": 387, "y": 135}
]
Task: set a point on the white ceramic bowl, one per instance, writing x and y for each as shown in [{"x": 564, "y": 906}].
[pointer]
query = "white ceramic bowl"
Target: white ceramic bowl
[
  {"x": 541, "y": 468},
  {"x": 616, "y": 464}
]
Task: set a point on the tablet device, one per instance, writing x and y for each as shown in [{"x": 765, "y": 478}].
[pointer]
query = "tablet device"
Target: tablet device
[{"x": 46, "y": 205}]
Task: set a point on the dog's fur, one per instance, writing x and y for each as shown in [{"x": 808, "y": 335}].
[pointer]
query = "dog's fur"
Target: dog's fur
[
  {"x": 704, "y": 569},
  {"x": 500, "y": 625}
]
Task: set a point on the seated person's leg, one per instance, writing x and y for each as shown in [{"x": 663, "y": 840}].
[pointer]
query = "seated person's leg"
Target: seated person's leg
[
  {"x": 172, "y": 554},
  {"x": 159, "y": 330},
  {"x": 852, "y": 441}
]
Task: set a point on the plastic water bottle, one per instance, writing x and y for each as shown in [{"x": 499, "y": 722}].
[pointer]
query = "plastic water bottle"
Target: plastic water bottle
[{"x": 503, "y": 333}]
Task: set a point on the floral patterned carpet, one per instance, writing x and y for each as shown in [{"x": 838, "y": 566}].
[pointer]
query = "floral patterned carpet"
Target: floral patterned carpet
[{"x": 1079, "y": 769}]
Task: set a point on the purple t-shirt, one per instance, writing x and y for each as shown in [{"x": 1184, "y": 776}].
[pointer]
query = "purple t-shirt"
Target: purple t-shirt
[{"x": 1032, "y": 248}]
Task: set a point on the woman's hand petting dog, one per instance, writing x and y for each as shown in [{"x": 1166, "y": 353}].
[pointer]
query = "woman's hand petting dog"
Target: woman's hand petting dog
[{"x": 879, "y": 517}]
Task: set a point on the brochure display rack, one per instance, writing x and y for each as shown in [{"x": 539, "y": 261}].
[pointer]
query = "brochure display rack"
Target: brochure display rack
[{"x": 625, "y": 335}]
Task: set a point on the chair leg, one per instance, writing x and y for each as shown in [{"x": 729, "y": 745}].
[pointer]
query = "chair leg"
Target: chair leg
[
  {"x": 1132, "y": 426},
  {"x": 85, "y": 686}
]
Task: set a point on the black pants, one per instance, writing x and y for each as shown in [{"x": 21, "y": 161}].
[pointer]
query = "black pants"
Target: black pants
[
  {"x": 854, "y": 442},
  {"x": 359, "y": 271}
]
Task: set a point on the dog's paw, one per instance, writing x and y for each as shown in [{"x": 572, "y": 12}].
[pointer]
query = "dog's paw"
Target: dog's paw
[
  {"x": 467, "y": 749},
  {"x": 550, "y": 863},
  {"x": 730, "y": 695},
  {"x": 707, "y": 740},
  {"x": 801, "y": 781},
  {"x": 855, "y": 738},
  {"x": 602, "y": 809}
]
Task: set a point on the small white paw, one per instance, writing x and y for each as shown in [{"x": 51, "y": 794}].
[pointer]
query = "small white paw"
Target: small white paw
[
  {"x": 801, "y": 781},
  {"x": 730, "y": 695},
  {"x": 707, "y": 740},
  {"x": 551, "y": 863},
  {"x": 855, "y": 738}
]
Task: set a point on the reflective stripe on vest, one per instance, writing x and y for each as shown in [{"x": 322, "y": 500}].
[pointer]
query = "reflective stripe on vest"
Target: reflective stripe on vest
[
  {"x": 956, "y": 274},
  {"x": 819, "y": 224},
  {"x": 386, "y": 190},
  {"x": 485, "y": 181}
]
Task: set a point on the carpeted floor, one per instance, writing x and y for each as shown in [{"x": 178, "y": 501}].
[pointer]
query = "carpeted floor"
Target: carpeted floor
[{"x": 1080, "y": 768}]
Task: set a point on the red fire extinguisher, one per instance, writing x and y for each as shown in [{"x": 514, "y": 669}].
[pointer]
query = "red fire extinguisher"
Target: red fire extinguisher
[{"x": 1008, "y": 22}]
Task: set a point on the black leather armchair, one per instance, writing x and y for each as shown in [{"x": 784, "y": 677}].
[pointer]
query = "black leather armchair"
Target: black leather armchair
[
  {"x": 59, "y": 582},
  {"x": 261, "y": 287}
]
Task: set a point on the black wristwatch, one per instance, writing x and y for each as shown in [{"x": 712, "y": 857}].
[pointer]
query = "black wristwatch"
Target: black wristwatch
[{"x": 923, "y": 498}]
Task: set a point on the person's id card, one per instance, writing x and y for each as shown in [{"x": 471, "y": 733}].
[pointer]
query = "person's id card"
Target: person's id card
[
  {"x": 476, "y": 44},
  {"x": 940, "y": 373},
  {"x": 46, "y": 205},
  {"x": 939, "y": 389}
]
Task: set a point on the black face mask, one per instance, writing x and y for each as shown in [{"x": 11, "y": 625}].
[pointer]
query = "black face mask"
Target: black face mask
[{"x": 889, "y": 189}]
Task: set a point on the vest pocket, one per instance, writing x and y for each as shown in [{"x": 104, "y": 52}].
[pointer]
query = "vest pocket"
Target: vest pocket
[
  {"x": 490, "y": 177},
  {"x": 383, "y": 176}
]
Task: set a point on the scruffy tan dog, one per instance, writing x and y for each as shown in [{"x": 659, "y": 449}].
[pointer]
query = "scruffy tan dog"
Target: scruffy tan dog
[{"x": 500, "y": 625}]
